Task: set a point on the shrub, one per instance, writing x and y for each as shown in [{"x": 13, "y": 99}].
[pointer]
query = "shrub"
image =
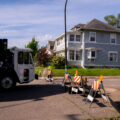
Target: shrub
[
  {"x": 58, "y": 61},
  {"x": 43, "y": 57}
]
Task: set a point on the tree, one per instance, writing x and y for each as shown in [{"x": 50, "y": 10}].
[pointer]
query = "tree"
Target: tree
[
  {"x": 43, "y": 57},
  {"x": 34, "y": 46},
  {"x": 13, "y": 47},
  {"x": 112, "y": 20},
  {"x": 58, "y": 61},
  {"x": 43, "y": 46}
]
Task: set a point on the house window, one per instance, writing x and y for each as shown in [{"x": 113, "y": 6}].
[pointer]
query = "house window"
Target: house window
[
  {"x": 58, "y": 42},
  {"x": 113, "y": 56},
  {"x": 78, "y": 38},
  {"x": 91, "y": 54},
  {"x": 71, "y": 54},
  {"x": 51, "y": 47},
  {"x": 113, "y": 38},
  {"x": 78, "y": 55},
  {"x": 71, "y": 37},
  {"x": 92, "y": 36}
]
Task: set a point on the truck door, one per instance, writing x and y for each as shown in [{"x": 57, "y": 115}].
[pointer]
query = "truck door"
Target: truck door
[
  {"x": 31, "y": 68},
  {"x": 29, "y": 74},
  {"x": 20, "y": 66},
  {"x": 25, "y": 67}
]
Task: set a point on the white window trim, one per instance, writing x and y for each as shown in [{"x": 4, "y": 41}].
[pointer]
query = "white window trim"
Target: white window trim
[
  {"x": 91, "y": 54},
  {"x": 74, "y": 38},
  {"x": 69, "y": 55},
  {"x": 95, "y": 37},
  {"x": 111, "y": 38},
  {"x": 109, "y": 56},
  {"x": 74, "y": 55}
]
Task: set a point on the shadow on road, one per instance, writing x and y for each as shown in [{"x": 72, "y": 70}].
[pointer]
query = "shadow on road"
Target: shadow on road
[
  {"x": 73, "y": 117},
  {"x": 116, "y": 105},
  {"x": 30, "y": 92}
]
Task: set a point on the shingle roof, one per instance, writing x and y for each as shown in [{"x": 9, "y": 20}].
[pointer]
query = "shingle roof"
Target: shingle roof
[
  {"x": 78, "y": 26},
  {"x": 98, "y": 25}
]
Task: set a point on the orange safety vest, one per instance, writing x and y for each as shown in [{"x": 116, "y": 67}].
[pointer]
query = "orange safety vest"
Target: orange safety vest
[
  {"x": 84, "y": 80},
  {"x": 49, "y": 72},
  {"x": 95, "y": 85}
]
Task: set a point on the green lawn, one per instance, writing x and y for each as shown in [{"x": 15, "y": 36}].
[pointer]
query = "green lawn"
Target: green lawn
[{"x": 86, "y": 72}]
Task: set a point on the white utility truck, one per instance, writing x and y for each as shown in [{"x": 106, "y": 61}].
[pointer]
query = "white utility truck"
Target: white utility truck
[{"x": 16, "y": 65}]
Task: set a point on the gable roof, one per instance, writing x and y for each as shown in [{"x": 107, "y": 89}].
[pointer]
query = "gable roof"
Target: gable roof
[
  {"x": 99, "y": 26},
  {"x": 78, "y": 26}
]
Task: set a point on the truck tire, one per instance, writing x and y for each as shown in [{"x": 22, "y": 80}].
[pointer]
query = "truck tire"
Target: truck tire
[{"x": 7, "y": 83}]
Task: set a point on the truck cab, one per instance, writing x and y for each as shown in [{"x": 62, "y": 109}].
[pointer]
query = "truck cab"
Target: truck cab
[
  {"x": 23, "y": 65},
  {"x": 16, "y": 66}
]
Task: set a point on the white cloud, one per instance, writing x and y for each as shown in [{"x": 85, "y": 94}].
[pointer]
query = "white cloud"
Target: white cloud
[
  {"x": 97, "y": 2},
  {"x": 19, "y": 22},
  {"x": 18, "y": 42},
  {"x": 43, "y": 39},
  {"x": 29, "y": 14},
  {"x": 21, "y": 42},
  {"x": 9, "y": 33}
]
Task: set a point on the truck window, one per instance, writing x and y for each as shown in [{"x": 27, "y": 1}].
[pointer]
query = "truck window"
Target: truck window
[
  {"x": 31, "y": 60},
  {"x": 20, "y": 58},
  {"x": 26, "y": 58}
]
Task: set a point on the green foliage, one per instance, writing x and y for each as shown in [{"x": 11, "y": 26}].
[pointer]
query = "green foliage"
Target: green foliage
[
  {"x": 13, "y": 47},
  {"x": 58, "y": 61},
  {"x": 42, "y": 57},
  {"x": 34, "y": 46},
  {"x": 112, "y": 20},
  {"x": 86, "y": 72},
  {"x": 43, "y": 47}
]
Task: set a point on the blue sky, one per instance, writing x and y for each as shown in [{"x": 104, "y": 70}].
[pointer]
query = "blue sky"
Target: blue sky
[{"x": 20, "y": 20}]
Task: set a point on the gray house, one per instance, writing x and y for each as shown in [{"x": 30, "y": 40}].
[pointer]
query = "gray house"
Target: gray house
[{"x": 95, "y": 44}]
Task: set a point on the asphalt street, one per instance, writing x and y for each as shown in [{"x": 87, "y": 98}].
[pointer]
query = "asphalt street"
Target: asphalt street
[{"x": 41, "y": 100}]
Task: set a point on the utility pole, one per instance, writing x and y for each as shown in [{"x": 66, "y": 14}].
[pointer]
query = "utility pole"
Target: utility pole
[{"x": 65, "y": 35}]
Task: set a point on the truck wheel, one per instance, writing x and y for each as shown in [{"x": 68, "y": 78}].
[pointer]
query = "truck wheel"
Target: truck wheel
[{"x": 7, "y": 83}]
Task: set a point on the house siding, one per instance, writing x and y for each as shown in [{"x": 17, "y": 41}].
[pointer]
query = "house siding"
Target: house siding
[
  {"x": 101, "y": 37},
  {"x": 118, "y": 38},
  {"x": 103, "y": 45}
]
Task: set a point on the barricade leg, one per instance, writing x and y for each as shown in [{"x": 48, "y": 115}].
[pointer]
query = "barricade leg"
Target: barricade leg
[{"x": 93, "y": 99}]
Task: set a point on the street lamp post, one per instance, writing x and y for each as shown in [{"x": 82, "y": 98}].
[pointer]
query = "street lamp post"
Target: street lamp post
[{"x": 65, "y": 34}]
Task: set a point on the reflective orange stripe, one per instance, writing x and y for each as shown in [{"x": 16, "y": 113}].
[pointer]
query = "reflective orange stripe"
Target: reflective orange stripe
[
  {"x": 77, "y": 79},
  {"x": 84, "y": 78},
  {"x": 49, "y": 72},
  {"x": 95, "y": 85}
]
